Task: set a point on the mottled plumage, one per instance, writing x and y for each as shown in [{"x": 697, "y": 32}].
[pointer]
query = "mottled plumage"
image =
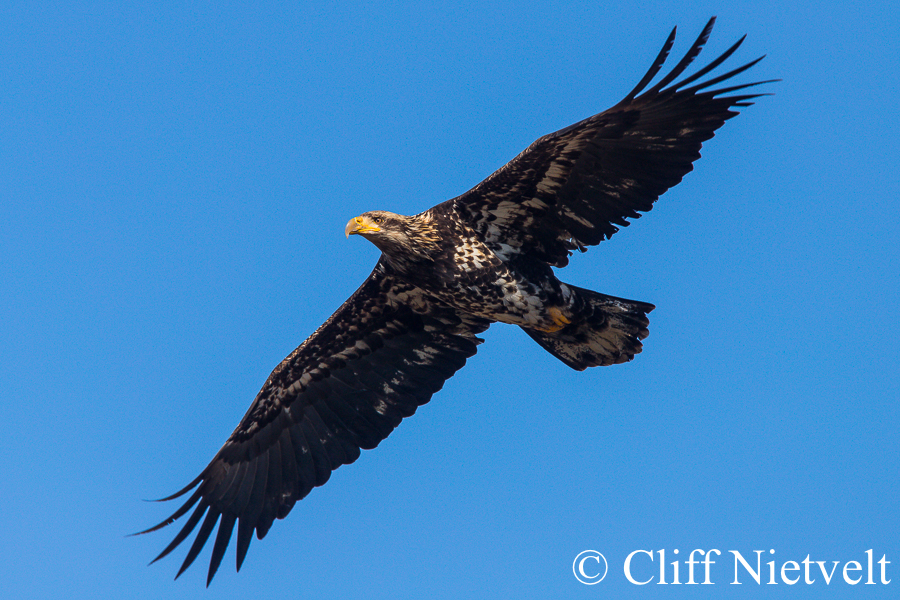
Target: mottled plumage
[{"x": 444, "y": 276}]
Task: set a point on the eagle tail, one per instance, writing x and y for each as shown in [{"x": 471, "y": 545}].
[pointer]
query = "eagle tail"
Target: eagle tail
[{"x": 608, "y": 332}]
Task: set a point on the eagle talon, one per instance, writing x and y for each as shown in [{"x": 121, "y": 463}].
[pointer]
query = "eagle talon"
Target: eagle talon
[{"x": 559, "y": 320}]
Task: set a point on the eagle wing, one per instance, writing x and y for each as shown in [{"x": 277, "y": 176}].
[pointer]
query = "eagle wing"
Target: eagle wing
[
  {"x": 379, "y": 357},
  {"x": 575, "y": 187}
]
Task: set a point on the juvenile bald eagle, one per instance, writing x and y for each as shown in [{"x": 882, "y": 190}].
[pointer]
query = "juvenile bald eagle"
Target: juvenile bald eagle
[{"x": 443, "y": 277}]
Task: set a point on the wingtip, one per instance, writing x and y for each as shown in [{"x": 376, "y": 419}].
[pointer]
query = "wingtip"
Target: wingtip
[
  {"x": 183, "y": 490},
  {"x": 156, "y": 527},
  {"x": 160, "y": 556},
  {"x": 184, "y": 566}
]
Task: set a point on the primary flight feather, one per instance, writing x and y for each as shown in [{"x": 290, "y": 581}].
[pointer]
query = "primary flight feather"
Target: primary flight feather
[{"x": 443, "y": 277}]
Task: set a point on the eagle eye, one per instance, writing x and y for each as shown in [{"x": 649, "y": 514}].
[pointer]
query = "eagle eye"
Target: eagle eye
[{"x": 378, "y": 220}]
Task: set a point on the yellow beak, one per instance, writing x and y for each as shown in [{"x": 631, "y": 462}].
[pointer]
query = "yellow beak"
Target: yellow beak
[{"x": 360, "y": 225}]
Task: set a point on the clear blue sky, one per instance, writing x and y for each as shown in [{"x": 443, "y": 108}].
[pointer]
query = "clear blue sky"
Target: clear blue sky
[{"x": 174, "y": 184}]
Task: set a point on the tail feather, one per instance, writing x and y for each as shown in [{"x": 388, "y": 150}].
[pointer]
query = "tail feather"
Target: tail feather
[{"x": 609, "y": 332}]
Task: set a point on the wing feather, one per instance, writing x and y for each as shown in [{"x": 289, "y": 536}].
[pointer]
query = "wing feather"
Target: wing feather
[
  {"x": 226, "y": 528},
  {"x": 202, "y": 535},
  {"x": 290, "y": 474},
  {"x": 376, "y": 360}
]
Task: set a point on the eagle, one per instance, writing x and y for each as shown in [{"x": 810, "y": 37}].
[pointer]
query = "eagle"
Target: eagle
[{"x": 444, "y": 276}]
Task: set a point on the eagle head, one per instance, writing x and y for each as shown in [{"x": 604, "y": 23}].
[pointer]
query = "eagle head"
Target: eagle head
[{"x": 401, "y": 238}]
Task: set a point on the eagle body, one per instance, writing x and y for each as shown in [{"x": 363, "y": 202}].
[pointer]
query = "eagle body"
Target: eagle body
[
  {"x": 448, "y": 261},
  {"x": 444, "y": 276}
]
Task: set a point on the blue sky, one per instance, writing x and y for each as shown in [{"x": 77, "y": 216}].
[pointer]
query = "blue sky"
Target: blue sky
[{"x": 174, "y": 184}]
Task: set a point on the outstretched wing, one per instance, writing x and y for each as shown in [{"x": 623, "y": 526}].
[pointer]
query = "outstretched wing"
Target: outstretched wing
[
  {"x": 575, "y": 187},
  {"x": 383, "y": 354}
]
